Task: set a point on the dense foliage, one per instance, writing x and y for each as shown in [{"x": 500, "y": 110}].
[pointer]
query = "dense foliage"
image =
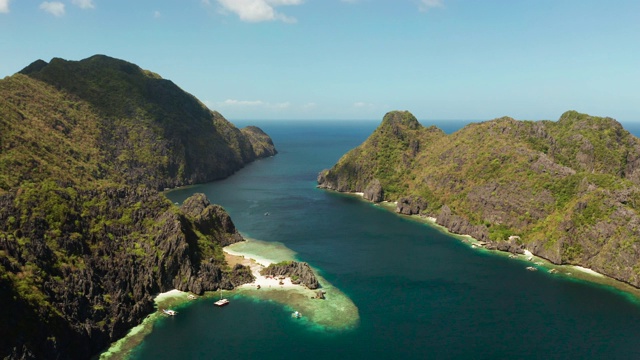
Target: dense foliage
[
  {"x": 86, "y": 239},
  {"x": 569, "y": 189}
]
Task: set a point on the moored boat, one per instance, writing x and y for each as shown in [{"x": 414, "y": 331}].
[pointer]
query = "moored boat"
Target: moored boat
[
  {"x": 169, "y": 312},
  {"x": 221, "y": 302}
]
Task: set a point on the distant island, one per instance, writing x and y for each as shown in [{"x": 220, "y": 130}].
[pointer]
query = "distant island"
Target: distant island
[
  {"x": 86, "y": 237},
  {"x": 565, "y": 190}
]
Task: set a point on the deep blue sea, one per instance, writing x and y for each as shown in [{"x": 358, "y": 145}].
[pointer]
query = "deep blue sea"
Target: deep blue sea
[{"x": 421, "y": 294}]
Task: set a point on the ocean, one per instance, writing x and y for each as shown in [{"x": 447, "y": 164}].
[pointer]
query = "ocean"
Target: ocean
[{"x": 420, "y": 293}]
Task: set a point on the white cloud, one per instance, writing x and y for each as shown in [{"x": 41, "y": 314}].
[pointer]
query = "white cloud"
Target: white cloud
[
  {"x": 84, "y": 4},
  {"x": 231, "y": 102},
  {"x": 361, "y": 104},
  {"x": 425, "y": 5},
  {"x": 258, "y": 10},
  {"x": 310, "y": 105},
  {"x": 55, "y": 8},
  {"x": 4, "y": 6},
  {"x": 283, "y": 105},
  {"x": 253, "y": 104}
]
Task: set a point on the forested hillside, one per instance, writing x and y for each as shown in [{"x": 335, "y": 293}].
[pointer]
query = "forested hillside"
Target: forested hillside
[
  {"x": 86, "y": 238},
  {"x": 567, "y": 190}
]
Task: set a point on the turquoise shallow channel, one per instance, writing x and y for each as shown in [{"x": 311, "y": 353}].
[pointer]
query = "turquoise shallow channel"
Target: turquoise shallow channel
[
  {"x": 335, "y": 312},
  {"x": 420, "y": 292}
]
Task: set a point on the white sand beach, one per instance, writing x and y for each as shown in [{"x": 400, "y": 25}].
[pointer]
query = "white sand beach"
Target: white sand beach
[
  {"x": 337, "y": 311},
  {"x": 256, "y": 265},
  {"x": 587, "y": 270},
  {"x": 169, "y": 295}
]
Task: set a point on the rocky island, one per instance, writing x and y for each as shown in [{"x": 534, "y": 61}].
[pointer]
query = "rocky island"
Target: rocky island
[
  {"x": 86, "y": 237},
  {"x": 567, "y": 190}
]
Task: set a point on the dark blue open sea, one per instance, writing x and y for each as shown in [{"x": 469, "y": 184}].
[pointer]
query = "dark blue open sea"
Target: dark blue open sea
[{"x": 421, "y": 294}]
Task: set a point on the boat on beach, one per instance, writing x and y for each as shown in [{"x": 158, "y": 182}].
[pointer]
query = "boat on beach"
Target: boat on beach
[{"x": 296, "y": 315}]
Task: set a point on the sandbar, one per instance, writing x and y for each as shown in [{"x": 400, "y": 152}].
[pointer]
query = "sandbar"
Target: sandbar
[{"x": 335, "y": 312}]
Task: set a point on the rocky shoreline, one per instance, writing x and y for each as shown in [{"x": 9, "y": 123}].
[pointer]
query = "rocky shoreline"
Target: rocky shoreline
[
  {"x": 511, "y": 248},
  {"x": 565, "y": 190}
]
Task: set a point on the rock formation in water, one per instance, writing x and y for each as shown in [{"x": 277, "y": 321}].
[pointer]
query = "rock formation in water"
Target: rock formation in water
[
  {"x": 86, "y": 239},
  {"x": 567, "y": 190},
  {"x": 299, "y": 272}
]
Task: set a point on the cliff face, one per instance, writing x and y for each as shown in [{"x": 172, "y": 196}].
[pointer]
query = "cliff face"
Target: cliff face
[
  {"x": 86, "y": 239},
  {"x": 569, "y": 189},
  {"x": 84, "y": 271}
]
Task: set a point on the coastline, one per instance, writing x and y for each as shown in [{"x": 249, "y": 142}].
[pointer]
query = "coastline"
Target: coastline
[
  {"x": 120, "y": 349},
  {"x": 568, "y": 272},
  {"x": 335, "y": 312}
]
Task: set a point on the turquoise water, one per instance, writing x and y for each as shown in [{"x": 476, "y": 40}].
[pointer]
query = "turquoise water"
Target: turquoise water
[{"x": 420, "y": 293}]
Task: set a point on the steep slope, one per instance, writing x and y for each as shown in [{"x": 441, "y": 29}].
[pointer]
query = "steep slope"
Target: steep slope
[
  {"x": 146, "y": 127},
  {"x": 568, "y": 189},
  {"x": 86, "y": 239}
]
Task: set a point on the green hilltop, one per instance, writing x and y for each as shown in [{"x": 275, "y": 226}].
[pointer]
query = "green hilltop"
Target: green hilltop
[
  {"x": 86, "y": 238},
  {"x": 104, "y": 118},
  {"x": 566, "y": 190}
]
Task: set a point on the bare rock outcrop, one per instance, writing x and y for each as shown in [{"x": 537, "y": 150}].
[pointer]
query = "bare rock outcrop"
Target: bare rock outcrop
[
  {"x": 459, "y": 225},
  {"x": 299, "y": 272},
  {"x": 373, "y": 192},
  {"x": 411, "y": 205}
]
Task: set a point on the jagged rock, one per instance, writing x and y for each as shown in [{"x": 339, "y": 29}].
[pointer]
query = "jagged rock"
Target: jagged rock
[
  {"x": 459, "y": 225},
  {"x": 299, "y": 272},
  {"x": 374, "y": 192},
  {"x": 209, "y": 218},
  {"x": 411, "y": 205},
  {"x": 512, "y": 245},
  {"x": 101, "y": 297}
]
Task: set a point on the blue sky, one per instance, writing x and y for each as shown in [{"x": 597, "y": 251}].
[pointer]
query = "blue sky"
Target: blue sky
[{"x": 355, "y": 59}]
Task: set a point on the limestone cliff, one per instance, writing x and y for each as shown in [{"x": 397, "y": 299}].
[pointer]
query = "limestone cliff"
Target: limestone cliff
[
  {"x": 568, "y": 190},
  {"x": 86, "y": 239}
]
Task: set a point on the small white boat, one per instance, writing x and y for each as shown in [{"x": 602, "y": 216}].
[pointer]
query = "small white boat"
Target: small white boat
[
  {"x": 221, "y": 302},
  {"x": 169, "y": 312},
  {"x": 531, "y": 268},
  {"x": 296, "y": 314},
  {"x": 191, "y": 297}
]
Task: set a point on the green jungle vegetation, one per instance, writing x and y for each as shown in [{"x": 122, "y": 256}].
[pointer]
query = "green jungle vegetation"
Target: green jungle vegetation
[
  {"x": 569, "y": 189},
  {"x": 86, "y": 238}
]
